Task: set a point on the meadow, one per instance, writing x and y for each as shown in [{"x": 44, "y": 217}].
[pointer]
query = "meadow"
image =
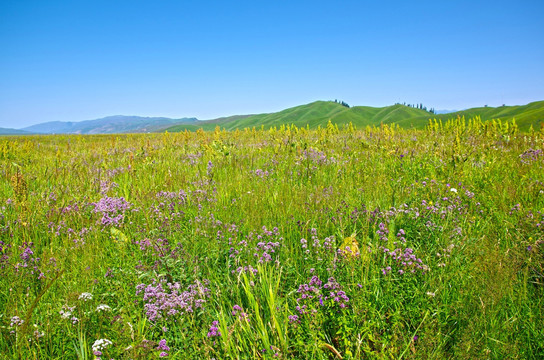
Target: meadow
[{"x": 281, "y": 243}]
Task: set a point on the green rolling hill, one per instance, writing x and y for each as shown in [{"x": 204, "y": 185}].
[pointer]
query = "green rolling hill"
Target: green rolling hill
[
  {"x": 320, "y": 112},
  {"x": 525, "y": 115}
]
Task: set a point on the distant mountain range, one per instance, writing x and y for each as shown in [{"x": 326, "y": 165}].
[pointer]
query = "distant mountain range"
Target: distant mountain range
[
  {"x": 313, "y": 115},
  {"x": 445, "y": 111},
  {"x": 107, "y": 125},
  {"x": 7, "y": 131}
]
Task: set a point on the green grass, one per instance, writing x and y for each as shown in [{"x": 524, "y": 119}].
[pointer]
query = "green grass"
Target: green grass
[{"x": 249, "y": 229}]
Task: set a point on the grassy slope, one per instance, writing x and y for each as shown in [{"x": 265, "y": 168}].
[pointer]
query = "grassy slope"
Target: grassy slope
[
  {"x": 525, "y": 115},
  {"x": 320, "y": 112}
]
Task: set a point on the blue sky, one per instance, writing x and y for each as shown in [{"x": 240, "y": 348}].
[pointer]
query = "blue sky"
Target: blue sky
[{"x": 79, "y": 60}]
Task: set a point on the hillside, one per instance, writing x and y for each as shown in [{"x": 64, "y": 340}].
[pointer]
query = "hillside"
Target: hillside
[
  {"x": 313, "y": 115},
  {"x": 525, "y": 115},
  {"x": 320, "y": 112}
]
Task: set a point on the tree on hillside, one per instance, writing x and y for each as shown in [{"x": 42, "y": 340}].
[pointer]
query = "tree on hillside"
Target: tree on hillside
[
  {"x": 343, "y": 103},
  {"x": 418, "y": 106}
]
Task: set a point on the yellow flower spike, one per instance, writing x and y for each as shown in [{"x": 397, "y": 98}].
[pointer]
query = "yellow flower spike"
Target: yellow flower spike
[
  {"x": 118, "y": 236},
  {"x": 350, "y": 246}
]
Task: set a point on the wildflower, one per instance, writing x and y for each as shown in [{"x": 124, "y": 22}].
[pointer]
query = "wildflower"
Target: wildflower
[
  {"x": 103, "y": 307},
  {"x": 236, "y": 308},
  {"x": 85, "y": 296},
  {"x": 163, "y": 346},
  {"x": 16, "y": 321},
  {"x": 100, "y": 345},
  {"x": 66, "y": 312},
  {"x": 214, "y": 329},
  {"x": 293, "y": 319},
  {"x": 165, "y": 299}
]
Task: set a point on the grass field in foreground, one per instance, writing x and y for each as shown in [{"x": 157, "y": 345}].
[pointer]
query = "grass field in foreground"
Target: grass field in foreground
[{"x": 288, "y": 243}]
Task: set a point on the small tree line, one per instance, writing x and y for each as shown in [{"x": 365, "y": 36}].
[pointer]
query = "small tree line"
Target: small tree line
[
  {"x": 343, "y": 103},
  {"x": 418, "y": 106}
]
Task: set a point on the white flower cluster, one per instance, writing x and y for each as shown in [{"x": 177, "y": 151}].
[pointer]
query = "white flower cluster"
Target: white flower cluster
[
  {"x": 103, "y": 307},
  {"x": 66, "y": 313},
  {"x": 86, "y": 296},
  {"x": 16, "y": 321},
  {"x": 37, "y": 333},
  {"x": 100, "y": 345}
]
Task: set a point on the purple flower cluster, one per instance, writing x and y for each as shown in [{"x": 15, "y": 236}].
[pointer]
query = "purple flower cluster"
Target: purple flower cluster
[
  {"x": 165, "y": 300},
  {"x": 209, "y": 169},
  {"x": 514, "y": 209},
  {"x": 531, "y": 155},
  {"x": 265, "y": 250},
  {"x": 4, "y": 254},
  {"x": 540, "y": 222},
  {"x": 245, "y": 269},
  {"x": 112, "y": 210},
  {"x": 237, "y": 310},
  {"x": 163, "y": 348},
  {"x": 77, "y": 237},
  {"x": 214, "y": 329},
  {"x": 168, "y": 204},
  {"x": 315, "y": 295},
  {"x": 262, "y": 174},
  {"x": 293, "y": 319},
  {"x": 404, "y": 261},
  {"x": 317, "y": 157},
  {"x": 193, "y": 158},
  {"x": 382, "y": 232},
  {"x": 204, "y": 191},
  {"x": 160, "y": 248},
  {"x": 29, "y": 264},
  {"x": 447, "y": 205},
  {"x": 318, "y": 248},
  {"x": 27, "y": 253},
  {"x": 72, "y": 208},
  {"x": 106, "y": 186}
]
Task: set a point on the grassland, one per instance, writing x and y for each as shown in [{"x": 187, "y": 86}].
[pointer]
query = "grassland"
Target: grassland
[
  {"x": 319, "y": 113},
  {"x": 288, "y": 243}
]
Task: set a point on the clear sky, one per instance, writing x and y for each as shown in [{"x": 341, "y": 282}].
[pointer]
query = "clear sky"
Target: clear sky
[{"x": 77, "y": 60}]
